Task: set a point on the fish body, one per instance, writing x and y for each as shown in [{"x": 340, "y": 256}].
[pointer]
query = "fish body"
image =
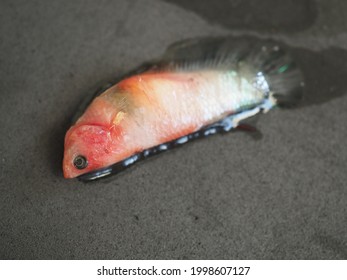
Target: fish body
[{"x": 171, "y": 100}]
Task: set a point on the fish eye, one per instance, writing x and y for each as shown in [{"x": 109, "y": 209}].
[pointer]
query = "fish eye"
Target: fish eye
[{"x": 80, "y": 162}]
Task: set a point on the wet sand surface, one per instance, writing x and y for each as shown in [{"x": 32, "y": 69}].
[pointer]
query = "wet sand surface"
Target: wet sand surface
[{"x": 224, "y": 197}]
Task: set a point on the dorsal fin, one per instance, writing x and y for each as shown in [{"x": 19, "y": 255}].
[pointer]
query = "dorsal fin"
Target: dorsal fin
[{"x": 245, "y": 56}]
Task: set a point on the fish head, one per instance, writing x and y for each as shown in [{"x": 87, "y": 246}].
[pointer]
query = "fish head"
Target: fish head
[{"x": 87, "y": 148}]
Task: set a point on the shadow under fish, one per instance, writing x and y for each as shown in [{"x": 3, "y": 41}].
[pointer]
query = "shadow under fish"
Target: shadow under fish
[{"x": 261, "y": 74}]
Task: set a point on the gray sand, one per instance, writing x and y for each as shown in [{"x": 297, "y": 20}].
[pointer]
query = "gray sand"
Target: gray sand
[{"x": 225, "y": 197}]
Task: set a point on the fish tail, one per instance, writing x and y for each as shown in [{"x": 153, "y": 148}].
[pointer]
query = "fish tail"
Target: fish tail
[{"x": 283, "y": 76}]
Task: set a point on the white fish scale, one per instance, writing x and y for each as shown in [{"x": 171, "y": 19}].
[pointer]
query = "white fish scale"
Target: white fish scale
[
  {"x": 180, "y": 103},
  {"x": 201, "y": 98}
]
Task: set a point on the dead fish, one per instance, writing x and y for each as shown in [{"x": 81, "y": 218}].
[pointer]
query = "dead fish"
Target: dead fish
[{"x": 199, "y": 87}]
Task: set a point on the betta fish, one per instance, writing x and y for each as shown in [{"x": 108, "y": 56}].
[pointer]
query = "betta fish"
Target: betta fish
[{"x": 199, "y": 87}]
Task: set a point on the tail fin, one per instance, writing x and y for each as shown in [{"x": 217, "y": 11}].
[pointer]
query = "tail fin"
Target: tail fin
[{"x": 285, "y": 79}]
